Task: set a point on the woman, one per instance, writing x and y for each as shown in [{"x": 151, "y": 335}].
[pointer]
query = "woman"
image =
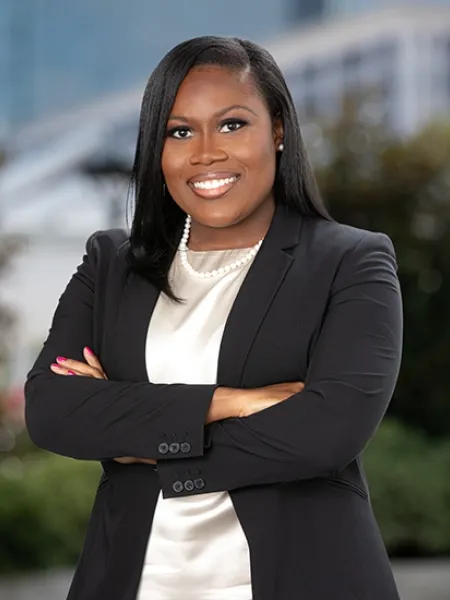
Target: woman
[{"x": 230, "y": 360}]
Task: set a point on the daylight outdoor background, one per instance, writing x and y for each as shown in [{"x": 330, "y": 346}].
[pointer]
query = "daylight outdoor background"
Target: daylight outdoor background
[{"x": 371, "y": 80}]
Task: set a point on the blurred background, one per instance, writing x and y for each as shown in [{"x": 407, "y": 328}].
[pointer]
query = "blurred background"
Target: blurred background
[{"x": 371, "y": 81}]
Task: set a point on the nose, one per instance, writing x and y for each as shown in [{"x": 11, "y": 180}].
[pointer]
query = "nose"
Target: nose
[{"x": 206, "y": 151}]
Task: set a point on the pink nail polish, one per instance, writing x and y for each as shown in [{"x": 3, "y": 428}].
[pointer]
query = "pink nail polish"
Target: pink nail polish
[
  {"x": 71, "y": 373},
  {"x": 60, "y": 359},
  {"x": 88, "y": 350}
]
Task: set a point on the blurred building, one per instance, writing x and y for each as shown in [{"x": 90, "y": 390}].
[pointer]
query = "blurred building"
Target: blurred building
[
  {"x": 56, "y": 56},
  {"x": 394, "y": 62},
  {"x": 308, "y": 10},
  {"x": 346, "y": 7}
]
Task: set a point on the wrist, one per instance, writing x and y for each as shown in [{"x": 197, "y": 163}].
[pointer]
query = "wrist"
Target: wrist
[{"x": 224, "y": 405}]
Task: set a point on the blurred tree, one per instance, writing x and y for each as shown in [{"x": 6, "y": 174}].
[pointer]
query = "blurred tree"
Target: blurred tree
[{"x": 402, "y": 188}]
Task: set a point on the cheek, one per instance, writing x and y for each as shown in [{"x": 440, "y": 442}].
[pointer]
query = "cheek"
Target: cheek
[
  {"x": 256, "y": 149},
  {"x": 260, "y": 160},
  {"x": 172, "y": 163}
]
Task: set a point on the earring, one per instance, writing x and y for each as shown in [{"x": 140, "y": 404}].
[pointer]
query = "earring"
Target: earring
[{"x": 281, "y": 147}]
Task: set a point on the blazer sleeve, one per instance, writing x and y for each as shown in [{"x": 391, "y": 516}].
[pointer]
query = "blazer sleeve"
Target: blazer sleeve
[
  {"x": 349, "y": 383},
  {"x": 95, "y": 419}
]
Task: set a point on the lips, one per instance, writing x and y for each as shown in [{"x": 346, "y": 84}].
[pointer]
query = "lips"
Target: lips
[{"x": 213, "y": 185}]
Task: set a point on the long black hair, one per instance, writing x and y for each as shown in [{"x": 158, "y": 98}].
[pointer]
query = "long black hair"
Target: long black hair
[{"x": 158, "y": 220}]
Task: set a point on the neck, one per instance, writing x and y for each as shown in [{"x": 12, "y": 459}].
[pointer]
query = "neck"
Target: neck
[{"x": 243, "y": 234}]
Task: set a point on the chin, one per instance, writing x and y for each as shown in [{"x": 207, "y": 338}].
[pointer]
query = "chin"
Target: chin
[{"x": 215, "y": 221}]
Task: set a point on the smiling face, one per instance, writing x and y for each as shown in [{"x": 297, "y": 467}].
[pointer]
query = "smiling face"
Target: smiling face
[{"x": 219, "y": 157}]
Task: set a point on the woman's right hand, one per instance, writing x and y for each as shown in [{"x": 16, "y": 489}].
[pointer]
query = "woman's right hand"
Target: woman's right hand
[
  {"x": 257, "y": 399},
  {"x": 231, "y": 402}
]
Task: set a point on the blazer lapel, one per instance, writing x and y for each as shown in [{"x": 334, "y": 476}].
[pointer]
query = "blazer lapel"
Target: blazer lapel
[{"x": 260, "y": 287}]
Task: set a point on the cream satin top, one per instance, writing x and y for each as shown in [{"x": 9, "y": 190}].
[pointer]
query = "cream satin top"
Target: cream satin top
[{"x": 197, "y": 549}]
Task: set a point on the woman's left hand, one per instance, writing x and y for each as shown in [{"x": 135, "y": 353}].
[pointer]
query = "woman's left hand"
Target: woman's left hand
[
  {"x": 91, "y": 368},
  {"x": 67, "y": 366}
]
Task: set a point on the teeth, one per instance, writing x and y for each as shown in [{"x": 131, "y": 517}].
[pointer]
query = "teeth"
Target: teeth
[{"x": 213, "y": 184}]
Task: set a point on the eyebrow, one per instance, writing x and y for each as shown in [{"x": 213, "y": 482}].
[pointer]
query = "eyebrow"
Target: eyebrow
[{"x": 220, "y": 113}]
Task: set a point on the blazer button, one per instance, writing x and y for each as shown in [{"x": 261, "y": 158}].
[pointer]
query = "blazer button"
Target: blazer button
[
  {"x": 174, "y": 448},
  {"x": 189, "y": 485},
  {"x": 163, "y": 448},
  {"x": 199, "y": 483},
  {"x": 185, "y": 447},
  {"x": 177, "y": 487}
]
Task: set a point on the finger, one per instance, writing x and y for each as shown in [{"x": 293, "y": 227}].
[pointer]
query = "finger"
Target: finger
[
  {"x": 65, "y": 366},
  {"x": 80, "y": 368},
  {"x": 92, "y": 359},
  {"x": 61, "y": 370}
]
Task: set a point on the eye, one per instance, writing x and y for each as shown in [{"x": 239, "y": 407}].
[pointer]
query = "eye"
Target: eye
[
  {"x": 232, "y": 125},
  {"x": 180, "y": 133}
]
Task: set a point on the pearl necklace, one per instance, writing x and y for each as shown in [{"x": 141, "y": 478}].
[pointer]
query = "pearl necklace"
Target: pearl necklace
[{"x": 222, "y": 270}]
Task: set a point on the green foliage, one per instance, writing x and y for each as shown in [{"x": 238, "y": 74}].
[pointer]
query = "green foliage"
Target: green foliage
[
  {"x": 45, "y": 502},
  {"x": 410, "y": 490},
  {"x": 402, "y": 188}
]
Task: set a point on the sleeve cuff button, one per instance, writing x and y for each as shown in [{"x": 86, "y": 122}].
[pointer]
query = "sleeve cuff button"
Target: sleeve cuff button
[
  {"x": 199, "y": 483},
  {"x": 163, "y": 448},
  {"x": 174, "y": 448},
  {"x": 189, "y": 485},
  {"x": 177, "y": 487}
]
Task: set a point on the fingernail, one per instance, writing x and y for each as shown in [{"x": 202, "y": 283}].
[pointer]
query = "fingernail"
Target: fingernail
[
  {"x": 55, "y": 365},
  {"x": 60, "y": 359},
  {"x": 88, "y": 350},
  {"x": 71, "y": 373}
]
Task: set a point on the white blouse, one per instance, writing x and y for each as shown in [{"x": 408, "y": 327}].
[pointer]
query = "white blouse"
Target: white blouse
[{"x": 197, "y": 549}]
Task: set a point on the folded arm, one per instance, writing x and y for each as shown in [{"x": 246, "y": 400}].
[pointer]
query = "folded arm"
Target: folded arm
[
  {"x": 95, "y": 419},
  {"x": 349, "y": 384}
]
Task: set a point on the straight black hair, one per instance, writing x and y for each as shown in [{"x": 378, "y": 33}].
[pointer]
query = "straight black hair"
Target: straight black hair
[{"x": 158, "y": 221}]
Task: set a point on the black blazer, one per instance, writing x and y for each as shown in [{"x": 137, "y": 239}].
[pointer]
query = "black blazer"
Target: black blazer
[{"x": 321, "y": 303}]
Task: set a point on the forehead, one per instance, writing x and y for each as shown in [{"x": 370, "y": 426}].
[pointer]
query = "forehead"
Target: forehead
[{"x": 210, "y": 88}]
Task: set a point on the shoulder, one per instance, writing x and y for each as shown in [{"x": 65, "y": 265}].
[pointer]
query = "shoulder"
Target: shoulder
[
  {"x": 335, "y": 239},
  {"x": 106, "y": 244},
  {"x": 342, "y": 255}
]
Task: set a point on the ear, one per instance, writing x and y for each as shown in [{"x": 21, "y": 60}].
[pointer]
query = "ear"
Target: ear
[{"x": 278, "y": 132}]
